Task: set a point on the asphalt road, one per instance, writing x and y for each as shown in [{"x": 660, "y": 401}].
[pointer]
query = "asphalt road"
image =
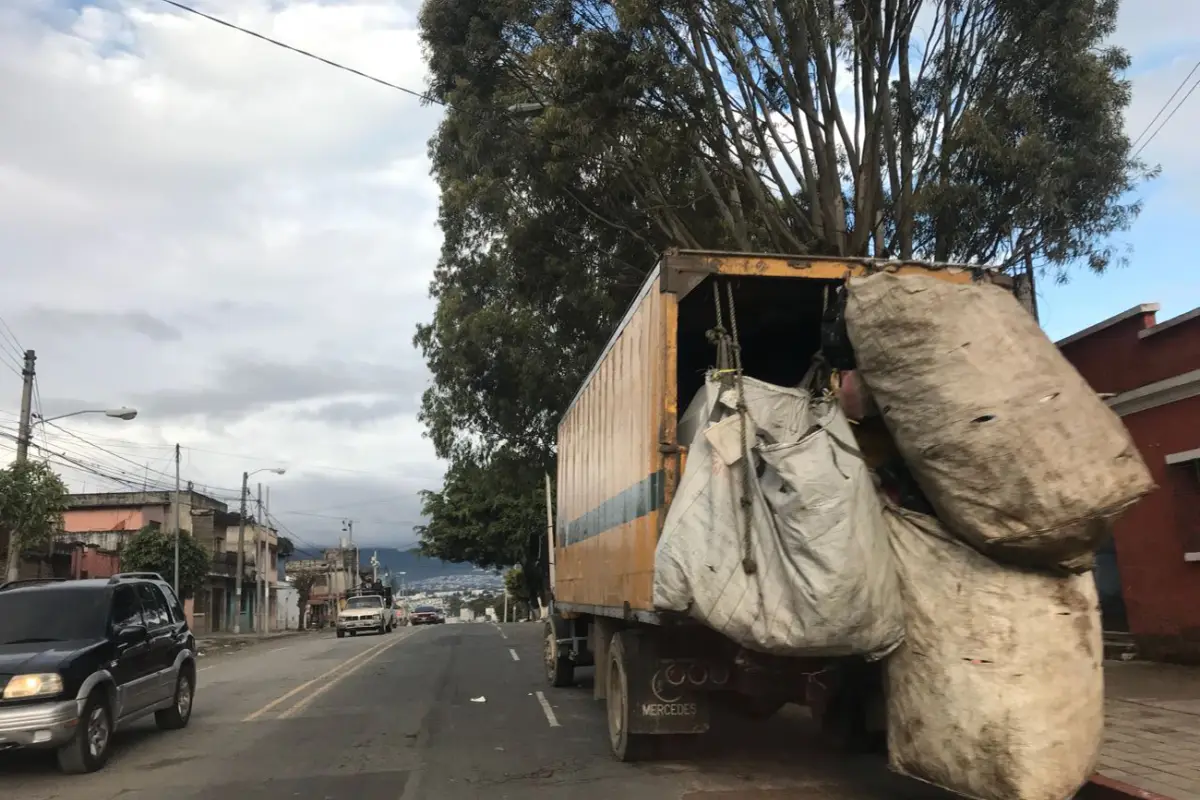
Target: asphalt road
[{"x": 434, "y": 713}]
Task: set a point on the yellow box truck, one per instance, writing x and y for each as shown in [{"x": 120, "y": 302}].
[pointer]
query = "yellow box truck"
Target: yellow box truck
[{"x": 620, "y": 459}]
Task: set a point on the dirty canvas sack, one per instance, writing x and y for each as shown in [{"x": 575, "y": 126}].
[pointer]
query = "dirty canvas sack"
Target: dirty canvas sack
[
  {"x": 824, "y": 583},
  {"x": 997, "y": 692},
  {"x": 1013, "y": 448}
]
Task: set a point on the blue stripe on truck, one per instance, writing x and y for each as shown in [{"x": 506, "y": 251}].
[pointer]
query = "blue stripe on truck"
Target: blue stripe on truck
[{"x": 644, "y": 497}]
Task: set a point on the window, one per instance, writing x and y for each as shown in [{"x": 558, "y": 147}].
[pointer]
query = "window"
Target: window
[
  {"x": 126, "y": 610},
  {"x": 173, "y": 603},
  {"x": 154, "y": 607},
  {"x": 52, "y": 614},
  {"x": 365, "y": 602}
]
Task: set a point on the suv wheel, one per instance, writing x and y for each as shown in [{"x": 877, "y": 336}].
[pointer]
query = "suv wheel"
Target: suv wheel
[
  {"x": 88, "y": 751},
  {"x": 180, "y": 711}
]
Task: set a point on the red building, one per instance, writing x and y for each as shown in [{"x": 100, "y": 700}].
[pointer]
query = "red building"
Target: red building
[{"x": 1151, "y": 370}]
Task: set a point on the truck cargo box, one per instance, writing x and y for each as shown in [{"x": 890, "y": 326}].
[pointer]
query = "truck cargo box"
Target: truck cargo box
[{"x": 619, "y": 452}]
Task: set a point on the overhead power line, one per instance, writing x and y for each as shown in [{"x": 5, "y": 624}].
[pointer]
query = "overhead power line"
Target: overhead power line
[
  {"x": 307, "y": 54},
  {"x": 1163, "y": 108},
  {"x": 1174, "y": 110}
]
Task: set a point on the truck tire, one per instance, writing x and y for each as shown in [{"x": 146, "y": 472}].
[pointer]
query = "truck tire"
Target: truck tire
[
  {"x": 560, "y": 670},
  {"x": 626, "y": 746}
]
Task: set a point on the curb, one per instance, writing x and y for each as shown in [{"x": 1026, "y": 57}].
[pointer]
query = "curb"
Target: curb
[{"x": 1102, "y": 788}]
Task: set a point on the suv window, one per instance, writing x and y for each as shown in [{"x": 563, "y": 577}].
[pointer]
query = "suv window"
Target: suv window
[
  {"x": 126, "y": 610},
  {"x": 36, "y": 614},
  {"x": 154, "y": 607},
  {"x": 172, "y": 602}
]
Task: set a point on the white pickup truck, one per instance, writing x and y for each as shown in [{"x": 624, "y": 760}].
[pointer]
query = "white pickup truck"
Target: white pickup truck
[{"x": 369, "y": 612}]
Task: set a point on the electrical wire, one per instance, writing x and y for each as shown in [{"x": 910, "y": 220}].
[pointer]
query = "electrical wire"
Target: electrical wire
[
  {"x": 1170, "y": 116},
  {"x": 424, "y": 96},
  {"x": 1163, "y": 108},
  {"x": 414, "y": 93},
  {"x": 12, "y": 354},
  {"x": 166, "y": 475}
]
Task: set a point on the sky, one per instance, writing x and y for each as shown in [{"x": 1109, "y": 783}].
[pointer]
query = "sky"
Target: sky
[{"x": 238, "y": 242}]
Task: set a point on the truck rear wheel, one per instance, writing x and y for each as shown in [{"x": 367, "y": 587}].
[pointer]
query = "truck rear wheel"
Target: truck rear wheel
[
  {"x": 560, "y": 670},
  {"x": 626, "y": 746}
]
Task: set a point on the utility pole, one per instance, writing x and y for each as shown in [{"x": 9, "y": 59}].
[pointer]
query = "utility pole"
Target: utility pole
[
  {"x": 23, "y": 436},
  {"x": 349, "y": 525},
  {"x": 241, "y": 557},
  {"x": 266, "y": 511},
  {"x": 258, "y": 560},
  {"x": 178, "y": 500},
  {"x": 25, "y": 432}
]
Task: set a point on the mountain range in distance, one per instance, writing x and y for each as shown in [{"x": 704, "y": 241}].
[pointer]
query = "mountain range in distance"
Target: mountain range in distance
[{"x": 417, "y": 568}]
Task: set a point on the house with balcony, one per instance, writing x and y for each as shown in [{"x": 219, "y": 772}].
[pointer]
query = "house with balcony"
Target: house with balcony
[
  {"x": 336, "y": 577},
  {"x": 98, "y": 526},
  {"x": 260, "y": 587}
]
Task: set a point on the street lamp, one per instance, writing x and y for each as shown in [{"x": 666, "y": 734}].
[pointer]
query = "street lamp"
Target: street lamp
[
  {"x": 115, "y": 413},
  {"x": 237, "y": 591}
]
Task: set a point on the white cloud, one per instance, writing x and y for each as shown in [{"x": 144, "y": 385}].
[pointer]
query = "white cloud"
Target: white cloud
[{"x": 179, "y": 201}]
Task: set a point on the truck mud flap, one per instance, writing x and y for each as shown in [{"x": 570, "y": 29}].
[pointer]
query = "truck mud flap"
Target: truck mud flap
[{"x": 668, "y": 696}]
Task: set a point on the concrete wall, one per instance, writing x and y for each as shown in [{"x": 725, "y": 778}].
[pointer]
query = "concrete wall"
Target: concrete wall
[{"x": 1149, "y": 366}]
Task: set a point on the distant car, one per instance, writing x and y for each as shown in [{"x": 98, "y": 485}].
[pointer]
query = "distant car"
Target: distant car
[
  {"x": 81, "y": 659},
  {"x": 365, "y": 613},
  {"x": 426, "y": 615}
]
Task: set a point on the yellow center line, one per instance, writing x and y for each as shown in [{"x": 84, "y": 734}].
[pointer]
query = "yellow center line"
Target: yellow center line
[
  {"x": 269, "y": 706},
  {"x": 307, "y": 700}
]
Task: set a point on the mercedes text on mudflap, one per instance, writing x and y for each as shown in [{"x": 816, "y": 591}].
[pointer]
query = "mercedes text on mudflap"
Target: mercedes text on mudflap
[{"x": 80, "y": 659}]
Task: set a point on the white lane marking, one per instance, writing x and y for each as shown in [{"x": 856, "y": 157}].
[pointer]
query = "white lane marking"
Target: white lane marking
[
  {"x": 513, "y": 653},
  {"x": 500, "y": 630},
  {"x": 549, "y": 712},
  {"x": 277, "y": 649},
  {"x": 345, "y": 664},
  {"x": 339, "y": 677},
  {"x": 204, "y": 669}
]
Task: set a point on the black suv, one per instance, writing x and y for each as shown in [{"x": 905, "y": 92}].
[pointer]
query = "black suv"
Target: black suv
[{"x": 78, "y": 659}]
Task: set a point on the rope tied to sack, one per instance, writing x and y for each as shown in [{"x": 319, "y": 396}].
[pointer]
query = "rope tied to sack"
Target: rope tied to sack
[{"x": 729, "y": 366}]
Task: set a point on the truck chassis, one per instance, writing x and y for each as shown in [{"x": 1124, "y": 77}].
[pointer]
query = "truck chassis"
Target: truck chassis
[{"x": 662, "y": 675}]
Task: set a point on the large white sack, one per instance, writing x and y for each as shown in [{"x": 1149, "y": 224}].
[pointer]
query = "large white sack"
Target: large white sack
[
  {"x": 1013, "y": 448},
  {"x": 998, "y": 691},
  {"x": 825, "y": 584}
]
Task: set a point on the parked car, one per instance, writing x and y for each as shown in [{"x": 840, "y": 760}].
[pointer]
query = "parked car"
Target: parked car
[
  {"x": 81, "y": 659},
  {"x": 426, "y": 615},
  {"x": 370, "y": 612}
]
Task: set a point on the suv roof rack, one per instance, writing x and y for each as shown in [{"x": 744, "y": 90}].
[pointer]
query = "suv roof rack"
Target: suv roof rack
[
  {"x": 29, "y": 582},
  {"x": 122, "y": 576}
]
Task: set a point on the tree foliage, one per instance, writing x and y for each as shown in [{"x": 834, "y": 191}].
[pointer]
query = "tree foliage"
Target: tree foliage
[
  {"x": 977, "y": 131},
  {"x": 485, "y": 514},
  {"x": 304, "y": 581},
  {"x": 153, "y": 550},
  {"x": 32, "y": 501},
  {"x": 286, "y": 549}
]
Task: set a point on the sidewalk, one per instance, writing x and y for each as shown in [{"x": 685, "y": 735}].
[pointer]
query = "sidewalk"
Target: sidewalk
[
  {"x": 218, "y": 643},
  {"x": 1152, "y": 741}
]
